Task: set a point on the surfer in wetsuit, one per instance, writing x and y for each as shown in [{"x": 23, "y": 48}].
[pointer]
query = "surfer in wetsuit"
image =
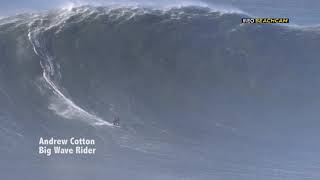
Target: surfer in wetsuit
[{"x": 116, "y": 121}]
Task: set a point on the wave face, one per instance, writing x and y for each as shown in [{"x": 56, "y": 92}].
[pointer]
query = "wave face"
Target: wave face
[{"x": 194, "y": 88}]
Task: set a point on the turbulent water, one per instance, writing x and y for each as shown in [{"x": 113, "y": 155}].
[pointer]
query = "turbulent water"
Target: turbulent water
[{"x": 200, "y": 96}]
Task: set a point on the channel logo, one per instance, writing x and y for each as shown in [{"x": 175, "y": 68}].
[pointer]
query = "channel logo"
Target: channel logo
[{"x": 264, "y": 20}]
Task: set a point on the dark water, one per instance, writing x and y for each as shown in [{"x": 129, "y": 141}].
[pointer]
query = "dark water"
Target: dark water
[{"x": 200, "y": 96}]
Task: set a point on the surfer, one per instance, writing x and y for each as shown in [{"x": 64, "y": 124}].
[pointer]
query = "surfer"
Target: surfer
[{"x": 116, "y": 121}]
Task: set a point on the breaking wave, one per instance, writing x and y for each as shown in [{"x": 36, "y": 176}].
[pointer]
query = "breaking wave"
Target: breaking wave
[
  {"x": 173, "y": 74},
  {"x": 217, "y": 31},
  {"x": 41, "y": 25}
]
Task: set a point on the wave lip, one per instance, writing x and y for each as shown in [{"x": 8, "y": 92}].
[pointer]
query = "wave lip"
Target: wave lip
[
  {"x": 164, "y": 6},
  {"x": 58, "y": 16}
]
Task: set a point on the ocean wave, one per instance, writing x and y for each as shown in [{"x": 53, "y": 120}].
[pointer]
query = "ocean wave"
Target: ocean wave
[
  {"x": 186, "y": 82},
  {"x": 72, "y": 44},
  {"x": 121, "y": 9}
]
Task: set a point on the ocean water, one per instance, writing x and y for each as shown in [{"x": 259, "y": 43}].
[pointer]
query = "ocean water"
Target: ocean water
[{"x": 200, "y": 95}]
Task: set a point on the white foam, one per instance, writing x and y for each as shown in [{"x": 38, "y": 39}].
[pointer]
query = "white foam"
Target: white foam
[
  {"x": 160, "y": 5},
  {"x": 315, "y": 27},
  {"x": 61, "y": 104}
]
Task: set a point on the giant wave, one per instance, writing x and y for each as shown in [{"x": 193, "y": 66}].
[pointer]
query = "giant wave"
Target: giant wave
[{"x": 173, "y": 75}]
